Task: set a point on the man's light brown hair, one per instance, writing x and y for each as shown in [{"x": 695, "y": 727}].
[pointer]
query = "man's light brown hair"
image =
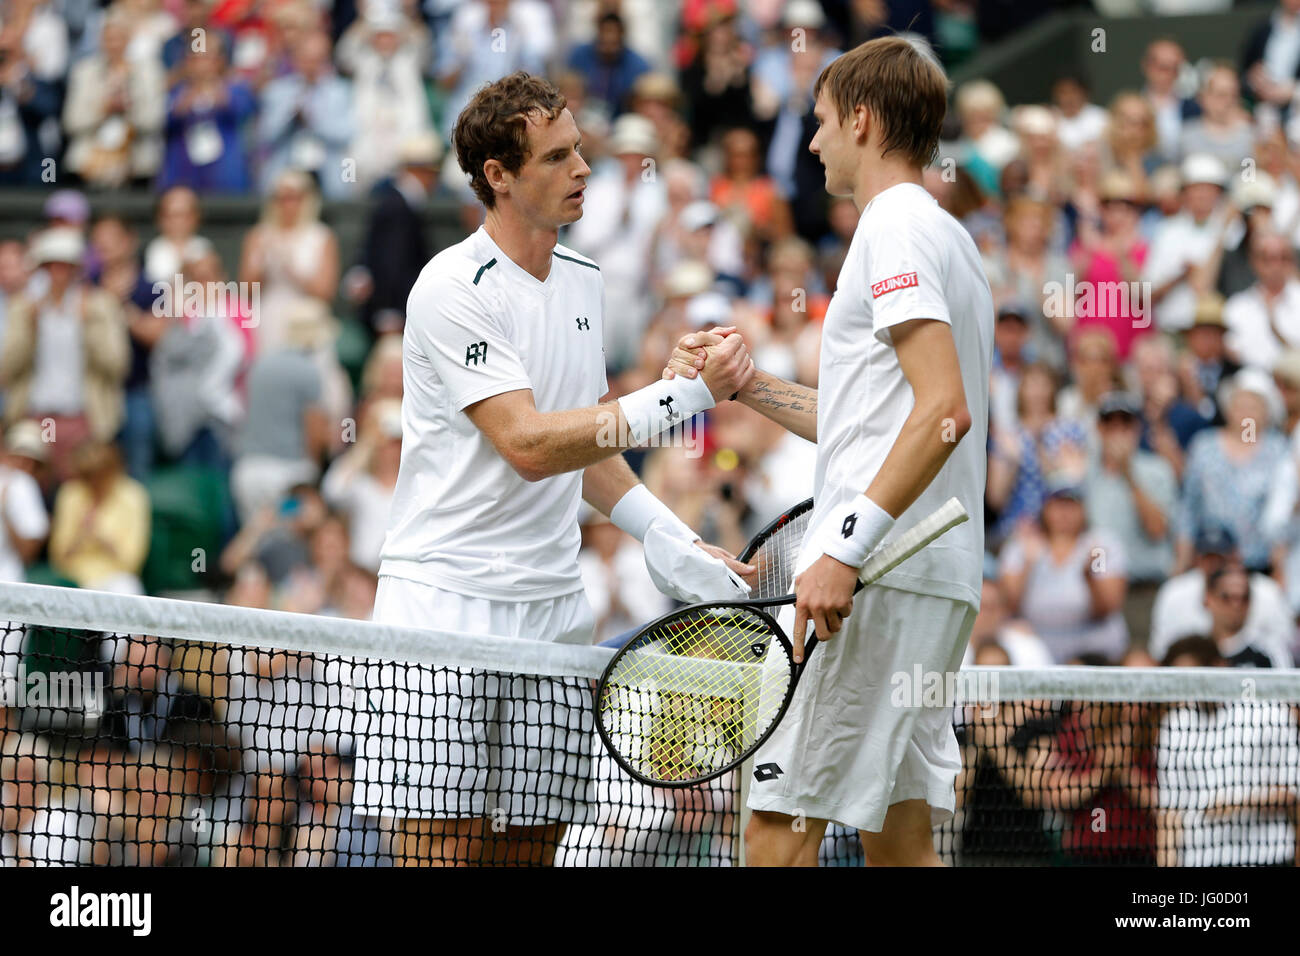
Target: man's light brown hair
[
  {"x": 904, "y": 89},
  {"x": 495, "y": 126}
]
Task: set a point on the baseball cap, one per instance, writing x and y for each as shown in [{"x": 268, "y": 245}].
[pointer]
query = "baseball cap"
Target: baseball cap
[
  {"x": 1261, "y": 191},
  {"x": 1014, "y": 309},
  {"x": 58, "y": 244},
  {"x": 1287, "y": 367},
  {"x": 1064, "y": 486},
  {"x": 1119, "y": 403},
  {"x": 67, "y": 204},
  {"x": 24, "y": 438},
  {"x": 1204, "y": 168},
  {"x": 708, "y": 309},
  {"x": 697, "y": 215},
  {"x": 1215, "y": 539}
]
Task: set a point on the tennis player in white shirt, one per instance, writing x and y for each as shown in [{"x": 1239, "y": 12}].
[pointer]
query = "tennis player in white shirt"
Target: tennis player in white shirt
[
  {"x": 502, "y": 435},
  {"x": 900, "y": 418}
]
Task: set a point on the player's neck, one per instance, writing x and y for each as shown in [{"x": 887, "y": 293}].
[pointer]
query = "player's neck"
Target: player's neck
[
  {"x": 874, "y": 178},
  {"x": 528, "y": 247}
]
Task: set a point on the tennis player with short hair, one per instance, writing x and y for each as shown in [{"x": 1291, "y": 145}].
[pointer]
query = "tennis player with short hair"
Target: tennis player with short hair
[
  {"x": 502, "y": 434},
  {"x": 900, "y": 418}
]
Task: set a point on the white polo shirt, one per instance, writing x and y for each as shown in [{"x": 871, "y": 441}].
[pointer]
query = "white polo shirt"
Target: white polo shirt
[
  {"x": 1251, "y": 336},
  {"x": 478, "y": 325},
  {"x": 909, "y": 259}
]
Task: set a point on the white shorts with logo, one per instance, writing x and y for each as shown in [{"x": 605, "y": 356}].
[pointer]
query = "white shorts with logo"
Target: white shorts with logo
[
  {"x": 859, "y": 737},
  {"x": 453, "y": 743}
]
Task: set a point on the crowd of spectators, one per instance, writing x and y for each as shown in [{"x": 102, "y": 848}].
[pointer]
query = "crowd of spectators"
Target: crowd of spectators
[{"x": 1144, "y": 450}]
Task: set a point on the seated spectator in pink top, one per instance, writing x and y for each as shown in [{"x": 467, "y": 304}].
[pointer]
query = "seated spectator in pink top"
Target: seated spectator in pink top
[{"x": 1108, "y": 256}]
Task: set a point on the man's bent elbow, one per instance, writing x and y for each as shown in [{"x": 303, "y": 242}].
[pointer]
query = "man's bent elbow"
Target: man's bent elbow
[{"x": 956, "y": 422}]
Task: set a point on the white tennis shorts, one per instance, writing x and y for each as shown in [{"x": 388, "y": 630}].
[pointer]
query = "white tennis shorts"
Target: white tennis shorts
[
  {"x": 452, "y": 743},
  {"x": 859, "y": 735}
]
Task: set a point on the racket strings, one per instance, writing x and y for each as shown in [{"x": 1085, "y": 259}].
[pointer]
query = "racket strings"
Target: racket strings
[
  {"x": 694, "y": 693},
  {"x": 777, "y": 556}
]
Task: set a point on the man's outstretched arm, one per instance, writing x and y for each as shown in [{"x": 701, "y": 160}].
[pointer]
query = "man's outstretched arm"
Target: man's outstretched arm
[
  {"x": 541, "y": 444},
  {"x": 789, "y": 404}
]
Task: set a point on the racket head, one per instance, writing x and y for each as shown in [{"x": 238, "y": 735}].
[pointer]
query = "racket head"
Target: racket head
[
  {"x": 695, "y": 693},
  {"x": 775, "y": 550}
]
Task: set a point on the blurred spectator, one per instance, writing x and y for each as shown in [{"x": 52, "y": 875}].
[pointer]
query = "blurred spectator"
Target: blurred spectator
[
  {"x": 1206, "y": 364},
  {"x": 608, "y": 66},
  {"x": 623, "y": 207},
  {"x": 1265, "y": 318},
  {"x": 24, "y": 523},
  {"x": 716, "y": 83},
  {"x": 1180, "y": 609},
  {"x": 114, "y": 112},
  {"x": 1132, "y": 495},
  {"x": 1223, "y": 130},
  {"x": 988, "y": 145},
  {"x": 1231, "y": 811},
  {"x": 177, "y": 218},
  {"x": 394, "y": 249},
  {"x": 1102, "y": 767},
  {"x": 196, "y": 22},
  {"x": 1270, "y": 62},
  {"x": 1130, "y": 143},
  {"x": 1229, "y": 269},
  {"x": 994, "y": 627},
  {"x": 1025, "y": 270},
  {"x": 615, "y": 579},
  {"x": 65, "y": 353},
  {"x": 1232, "y": 471},
  {"x": 1185, "y": 242},
  {"x": 116, "y": 250},
  {"x": 1227, "y": 597},
  {"x": 388, "y": 98},
  {"x": 1109, "y": 253},
  {"x": 99, "y": 536},
  {"x": 305, "y": 121},
  {"x": 360, "y": 482},
  {"x": 1168, "y": 422},
  {"x": 14, "y": 274},
  {"x": 1161, "y": 65},
  {"x": 1079, "y": 120},
  {"x": 1021, "y": 457},
  {"x": 205, "y": 112},
  {"x": 194, "y": 370},
  {"x": 1042, "y": 156},
  {"x": 289, "y": 256},
  {"x": 743, "y": 191},
  {"x": 1094, "y": 369},
  {"x": 1010, "y": 359},
  {"x": 1068, "y": 580},
  {"x": 33, "y": 63},
  {"x": 150, "y": 703},
  {"x": 287, "y": 430},
  {"x": 486, "y": 40}
]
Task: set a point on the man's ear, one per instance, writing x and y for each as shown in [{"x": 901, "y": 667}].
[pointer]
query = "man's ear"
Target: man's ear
[
  {"x": 497, "y": 176},
  {"x": 861, "y": 123}
]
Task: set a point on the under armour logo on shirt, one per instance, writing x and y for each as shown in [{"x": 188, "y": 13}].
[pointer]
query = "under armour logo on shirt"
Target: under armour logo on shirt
[
  {"x": 667, "y": 403},
  {"x": 476, "y": 353},
  {"x": 850, "y": 523},
  {"x": 583, "y": 324}
]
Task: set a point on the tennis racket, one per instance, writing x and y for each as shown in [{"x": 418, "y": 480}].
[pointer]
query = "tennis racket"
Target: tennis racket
[{"x": 696, "y": 692}]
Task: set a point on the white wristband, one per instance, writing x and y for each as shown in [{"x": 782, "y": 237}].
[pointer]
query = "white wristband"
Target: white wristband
[
  {"x": 637, "y": 510},
  {"x": 663, "y": 404},
  {"x": 850, "y": 532}
]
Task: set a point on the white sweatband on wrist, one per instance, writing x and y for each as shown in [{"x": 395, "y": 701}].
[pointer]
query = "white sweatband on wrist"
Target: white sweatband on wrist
[
  {"x": 851, "y": 531},
  {"x": 637, "y": 510},
  {"x": 663, "y": 404}
]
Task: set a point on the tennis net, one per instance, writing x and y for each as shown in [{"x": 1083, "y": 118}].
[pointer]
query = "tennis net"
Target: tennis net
[{"x": 146, "y": 731}]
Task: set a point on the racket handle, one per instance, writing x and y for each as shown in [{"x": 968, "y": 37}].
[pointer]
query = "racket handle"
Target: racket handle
[{"x": 884, "y": 559}]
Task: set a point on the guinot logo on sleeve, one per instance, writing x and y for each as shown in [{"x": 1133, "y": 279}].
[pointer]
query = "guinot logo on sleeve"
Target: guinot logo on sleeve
[{"x": 904, "y": 280}]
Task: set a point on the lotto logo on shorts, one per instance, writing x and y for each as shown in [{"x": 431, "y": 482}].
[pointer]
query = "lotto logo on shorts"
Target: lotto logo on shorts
[{"x": 906, "y": 280}]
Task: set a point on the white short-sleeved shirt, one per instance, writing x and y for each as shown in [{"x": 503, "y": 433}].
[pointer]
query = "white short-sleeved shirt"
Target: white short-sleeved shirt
[
  {"x": 909, "y": 259},
  {"x": 478, "y": 325},
  {"x": 25, "y": 511},
  {"x": 1228, "y": 754}
]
